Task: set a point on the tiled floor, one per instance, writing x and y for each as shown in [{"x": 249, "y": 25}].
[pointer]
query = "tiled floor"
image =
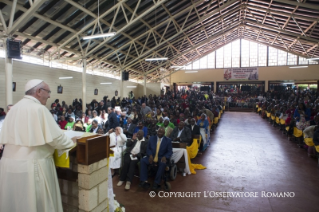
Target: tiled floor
[{"x": 246, "y": 154}]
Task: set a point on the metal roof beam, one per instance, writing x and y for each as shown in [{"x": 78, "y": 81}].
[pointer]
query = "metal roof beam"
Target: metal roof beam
[
  {"x": 311, "y": 40},
  {"x": 225, "y": 5},
  {"x": 158, "y": 3},
  {"x": 160, "y": 24},
  {"x": 296, "y": 3},
  {"x": 26, "y": 15},
  {"x": 229, "y": 30},
  {"x": 86, "y": 27}
]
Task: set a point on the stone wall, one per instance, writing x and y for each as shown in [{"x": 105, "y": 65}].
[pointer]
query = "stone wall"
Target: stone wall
[{"x": 90, "y": 193}]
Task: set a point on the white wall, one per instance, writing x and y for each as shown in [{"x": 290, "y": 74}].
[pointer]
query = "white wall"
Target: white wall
[
  {"x": 72, "y": 88},
  {"x": 153, "y": 88}
]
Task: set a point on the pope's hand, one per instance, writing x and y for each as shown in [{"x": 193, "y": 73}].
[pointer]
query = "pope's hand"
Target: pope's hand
[
  {"x": 74, "y": 138},
  {"x": 1, "y": 146}
]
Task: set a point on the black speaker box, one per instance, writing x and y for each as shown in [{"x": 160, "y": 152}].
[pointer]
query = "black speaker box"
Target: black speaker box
[
  {"x": 13, "y": 49},
  {"x": 125, "y": 76}
]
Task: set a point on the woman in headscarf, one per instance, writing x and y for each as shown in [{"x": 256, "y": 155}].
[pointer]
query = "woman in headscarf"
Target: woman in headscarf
[{"x": 117, "y": 141}]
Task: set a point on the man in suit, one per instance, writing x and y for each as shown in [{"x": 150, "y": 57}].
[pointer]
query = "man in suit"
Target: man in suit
[
  {"x": 194, "y": 128},
  {"x": 181, "y": 134},
  {"x": 129, "y": 128},
  {"x": 112, "y": 120},
  {"x": 159, "y": 150},
  {"x": 136, "y": 149}
]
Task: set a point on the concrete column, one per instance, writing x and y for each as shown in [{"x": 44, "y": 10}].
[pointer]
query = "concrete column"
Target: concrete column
[
  {"x": 93, "y": 187},
  {"x": 121, "y": 85},
  {"x": 8, "y": 68},
  {"x": 215, "y": 87},
  {"x": 84, "y": 86},
  {"x": 266, "y": 85},
  {"x": 144, "y": 88}
]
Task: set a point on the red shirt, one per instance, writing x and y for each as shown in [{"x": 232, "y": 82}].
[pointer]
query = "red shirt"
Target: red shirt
[{"x": 62, "y": 124}]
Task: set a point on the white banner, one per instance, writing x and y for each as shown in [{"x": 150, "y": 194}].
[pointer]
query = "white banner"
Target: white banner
[{"x": 241, "y": 73}]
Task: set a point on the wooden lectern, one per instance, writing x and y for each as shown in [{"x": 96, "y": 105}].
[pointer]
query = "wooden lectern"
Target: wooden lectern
[{"x": 82, "y": 186}]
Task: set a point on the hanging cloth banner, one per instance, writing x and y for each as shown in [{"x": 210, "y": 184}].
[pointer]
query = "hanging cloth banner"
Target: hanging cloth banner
[{"x": 241, "y": 73}]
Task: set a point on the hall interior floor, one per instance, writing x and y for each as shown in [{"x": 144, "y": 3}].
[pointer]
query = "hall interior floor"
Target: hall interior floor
[{"x": 246, "y": 154}]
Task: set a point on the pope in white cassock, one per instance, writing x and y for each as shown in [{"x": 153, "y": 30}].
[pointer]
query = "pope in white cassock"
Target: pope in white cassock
[{"x": 28, "y": 179}]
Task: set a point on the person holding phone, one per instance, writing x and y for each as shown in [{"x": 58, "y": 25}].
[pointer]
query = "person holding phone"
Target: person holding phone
[{"x": 117, "y": 141}]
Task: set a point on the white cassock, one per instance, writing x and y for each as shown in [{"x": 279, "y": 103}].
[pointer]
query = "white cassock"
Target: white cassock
[
  {"x": 118, "y": 141},
  {"x": 28, "y": 179}
]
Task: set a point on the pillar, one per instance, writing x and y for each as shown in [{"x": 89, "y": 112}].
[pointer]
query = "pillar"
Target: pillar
[
  {"x": 266, "y": 85},
  {"x": 318, "y": 86},
  {"x": 84, "y": 86},
  {"x": 215, "y": 87},
  {"x": 121, "y": 84},
  {"x": 93, "y": 186},
  {"x": 144, "y": 87},
  {"x": 8, "y": 68}
]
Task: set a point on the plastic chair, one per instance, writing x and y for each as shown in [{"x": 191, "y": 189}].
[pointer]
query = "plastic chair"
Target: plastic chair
[
  {"x": 216, "y": 120},
  {"x": 308, "y": 141}
]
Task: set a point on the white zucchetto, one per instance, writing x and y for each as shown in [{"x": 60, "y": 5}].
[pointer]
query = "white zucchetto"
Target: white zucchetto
[{"x": 31, "y": 84}]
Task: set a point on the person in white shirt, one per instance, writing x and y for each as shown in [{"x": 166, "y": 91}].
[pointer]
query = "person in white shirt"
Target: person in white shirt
[
  {"x": 96, "y": 117},
  {"x": 136, "y": 149},
  {"x": 117, "y": 141},
  {"x": 27, "y": 170}
]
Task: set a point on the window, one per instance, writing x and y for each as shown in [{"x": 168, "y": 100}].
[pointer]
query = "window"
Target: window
[
  {"x": 282, "y": 58},
  {"x": 211, "y": 60},
  {"x": 262, "y": 55},
  {"x": 235, "y": 53},
  {"x": 292, "y": 59},
  {"x": 227, "y": 56},
  {"x": 312, "y": 62},
  {"x": 250, "y": 53},
  {"x": 244, "y": 53},
  {"x": 273, "y": 57},
  {"x": 220, "y": 58},
  {"x": 203, "y": 62},
  {"x": 196, "y": 64},
  {"x": 253, "y": 54},
  {"x": 303, "y": 61}
]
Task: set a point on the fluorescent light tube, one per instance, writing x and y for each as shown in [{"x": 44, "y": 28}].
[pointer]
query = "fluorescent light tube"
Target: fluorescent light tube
[
  {"x": 105, "y": 83},
  {"x": 177, "y": 67},
  {"x": 315, "y": 58},
  {"x": 187, "y": 72},
  {"x": 99, "y": 36},
  {"x": 298, "y": 67},
  {"x": 131, "y": 86},
  {"x": 65, "y": 77},
  {"x": 156, "y": 58}
]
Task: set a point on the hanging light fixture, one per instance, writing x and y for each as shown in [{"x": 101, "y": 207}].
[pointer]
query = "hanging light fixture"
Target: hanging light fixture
[
  {"x": 102, "y": 35},
  {"x": 156, "y": 58}
]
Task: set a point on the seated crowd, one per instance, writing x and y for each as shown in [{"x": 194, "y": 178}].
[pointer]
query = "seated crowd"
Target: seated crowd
[
  {"x": 296, "y": 112},
  {"x": 139, "y": 126}
]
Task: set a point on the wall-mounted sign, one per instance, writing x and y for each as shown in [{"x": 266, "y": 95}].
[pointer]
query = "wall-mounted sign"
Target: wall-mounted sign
[{"x": 241, "y": 73}]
